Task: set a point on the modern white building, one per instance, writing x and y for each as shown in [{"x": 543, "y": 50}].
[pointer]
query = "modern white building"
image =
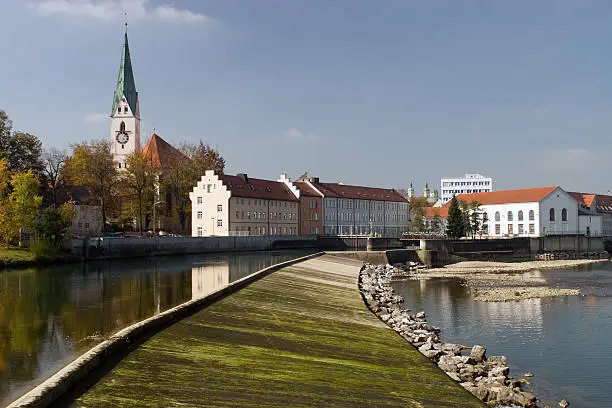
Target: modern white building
[
  {"x": 225, "y": 205},
  {"x": 468, "y": 184},
  {"x": 533, "y": 212}
]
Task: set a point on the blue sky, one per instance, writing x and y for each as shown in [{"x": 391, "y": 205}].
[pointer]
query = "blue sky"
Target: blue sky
[{"x": 373, "y": 93}]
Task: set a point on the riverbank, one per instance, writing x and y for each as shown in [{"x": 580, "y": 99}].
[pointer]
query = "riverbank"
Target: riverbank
[
  {"x": 486, "y": 378},
  {"x": 14, "y": 258},
  {"x": 506, "y": 281}
]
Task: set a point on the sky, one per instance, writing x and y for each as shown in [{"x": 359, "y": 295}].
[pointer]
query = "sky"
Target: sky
[{"x": 379, "y": 93}]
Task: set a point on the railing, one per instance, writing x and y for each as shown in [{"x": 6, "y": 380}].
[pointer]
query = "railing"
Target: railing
[{"x": 572, "y": 233}]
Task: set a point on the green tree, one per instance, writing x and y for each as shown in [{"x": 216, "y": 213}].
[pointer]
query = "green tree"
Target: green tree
[
  {"x": 456, "y": 221},
  {"x": 19, "y": 208},
  {"x": 484, "y": 228},
  {"x": 6, "y": 130},
  {"x": 475, "y": 224},
  {"x": 53, "y": 222},
  {"x": 140, "y": 178},
  {"x": 91, "y": 165},
  {"x": 436, "y": 223},
  {"x": 23, "y": 150},
  {"x": 417, "y": 206}
]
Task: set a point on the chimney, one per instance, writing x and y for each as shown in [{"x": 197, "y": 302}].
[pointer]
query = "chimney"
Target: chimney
[
  {"x": 244, "y": 177},
  {"x": 315, "y": 180}
]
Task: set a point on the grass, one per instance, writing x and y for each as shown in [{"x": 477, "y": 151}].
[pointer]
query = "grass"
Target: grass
[
  {"x": 20, "y": 257},
  {"x": 301, "y": 337}
]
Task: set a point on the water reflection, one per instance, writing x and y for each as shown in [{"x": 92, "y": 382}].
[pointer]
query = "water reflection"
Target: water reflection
[{"x": 49, "y": 316}]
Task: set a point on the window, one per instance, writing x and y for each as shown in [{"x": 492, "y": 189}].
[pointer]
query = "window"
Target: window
[
  {"x": 564, "y": 215},
  {"x": 200, "y": 231},
  {"x": 510, "y": 229},
  {"x": 219, "y": 207},
  {"x": 510, "y": 216},
  {"x": 520, "y": 216},
  {"x": 122, "y": 127},
  {"x": 552, "y": 214},
  {"x": 521, "y": 229},
  {"x": 497, "y": 217},
  {"x": 119, "y": 109},
  {"x": 208, "y": 188},
  {"x": 125, "y": 109},
  {"x": 249, "y": 215},
  {"x": 497, "y": 229},
  {"x": 199, "y": 200},
  {"x": 531, "y": 215},
  {"x": 237, "y": 214},
  {"x": 532, "y": 228},
  {"x": 119, "y": 165},
  {"x": 219, "y": 223},
  {"x": 86, "y": 225},
  {"x": 199, "y": 215}
]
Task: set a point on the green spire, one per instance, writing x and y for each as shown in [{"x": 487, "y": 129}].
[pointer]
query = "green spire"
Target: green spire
[{"x": 125, "y": 82}]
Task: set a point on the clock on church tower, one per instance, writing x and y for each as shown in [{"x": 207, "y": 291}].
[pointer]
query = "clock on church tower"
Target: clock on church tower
[{"x": 125, "y": 116}]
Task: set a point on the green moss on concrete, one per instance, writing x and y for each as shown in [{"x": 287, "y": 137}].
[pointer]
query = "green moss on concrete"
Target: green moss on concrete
[{"x": 301, "y": 337}]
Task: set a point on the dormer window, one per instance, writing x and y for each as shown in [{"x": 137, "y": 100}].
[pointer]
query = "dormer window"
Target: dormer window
[
  {"x": 119, "y": 109},
  {"x": 125, "y": 109}
]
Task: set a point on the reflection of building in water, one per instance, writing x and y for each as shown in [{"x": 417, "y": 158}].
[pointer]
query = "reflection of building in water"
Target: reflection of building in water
[
  {"x": 206, "y": 279},
  {"x": 520, "y": 314}
]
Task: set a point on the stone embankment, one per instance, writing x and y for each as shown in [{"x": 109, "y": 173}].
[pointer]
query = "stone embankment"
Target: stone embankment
[{"x": 486, "y": 378}]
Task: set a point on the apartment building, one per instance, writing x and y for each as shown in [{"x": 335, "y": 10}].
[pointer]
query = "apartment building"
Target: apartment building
[
  {"x": 469, "y": 184},
  {"x": 226, "y": 205}
]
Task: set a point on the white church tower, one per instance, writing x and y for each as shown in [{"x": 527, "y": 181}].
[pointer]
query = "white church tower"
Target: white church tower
[{"x": 125, "y": 118}]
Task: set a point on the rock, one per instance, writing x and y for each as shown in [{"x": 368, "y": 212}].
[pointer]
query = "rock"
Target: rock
[
  {"x": 479, "y": 391},
  {"x": 451, "y": 348},
  {"x": 446, "y": 363},
  {"x": 563, "y": 403},
  {"x": 426, "y": 347},
  {"x": 420, "y": 315},
  {"x": 478, "y": 353},
  {"x": 385, "y": 318},
  {"x": 431, "y": 354},
  {"x": 499, "y": 372},
  {"x": 499, "y": 360},
  {"x": 454, "y": 376},
  {"x": 528, "y": 374}
]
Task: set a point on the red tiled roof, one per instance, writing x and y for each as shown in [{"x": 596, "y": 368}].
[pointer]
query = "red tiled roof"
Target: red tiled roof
[
  {"x": 603, "y": 203},
  {"x": 431, "y": 212},
  {"x": 257, "y": 188},
  {"x": 162, "y": 153},
  {"x": 525, "y": 195},
  {"x": 306, "y": 190},
  {"x": 359, "y": 193},
  {"x": 584, "y": 199}
]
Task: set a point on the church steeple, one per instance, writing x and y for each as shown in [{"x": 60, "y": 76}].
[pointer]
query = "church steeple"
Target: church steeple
[
  {"x": 126, "y": 87},
  {"x": 125, "y": 117}
]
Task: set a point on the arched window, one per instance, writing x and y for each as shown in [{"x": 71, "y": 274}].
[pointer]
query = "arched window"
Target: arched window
[
  {"x": 520, "y": 215},
  {"x": 497, "y": 217},
  {"x": 122, "y": 127},
  {"x": 119, "y": 109},
  {"x": 531, "y": 215},
  {"x": 552, "y": 214},
  {"x": 125, "y": 109},
  {"x": 564, "y": 215},
  {"x": 509, "y": 215}
]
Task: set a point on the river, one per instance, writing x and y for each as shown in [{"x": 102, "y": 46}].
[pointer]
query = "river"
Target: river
[
  {"x": 51, "y": 315},
  {"x": 565, "y": 341}
]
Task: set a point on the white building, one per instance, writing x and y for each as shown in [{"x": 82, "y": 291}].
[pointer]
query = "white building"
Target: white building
[
  {"x": 533, "y": 212},
  {"x": 468, "y": 184},
  {"x": 225, "y": 205}
]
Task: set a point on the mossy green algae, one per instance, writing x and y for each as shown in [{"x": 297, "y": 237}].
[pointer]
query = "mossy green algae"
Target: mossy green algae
[{"x": 287, "y": 340}]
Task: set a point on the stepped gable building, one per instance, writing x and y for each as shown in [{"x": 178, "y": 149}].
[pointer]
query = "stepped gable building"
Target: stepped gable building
[
  {"x": 125, "y": 114},
  {"x": 355, "y": 210},
  {"x": 532, "y": 212},
  {"x": 226, "y": 205}
]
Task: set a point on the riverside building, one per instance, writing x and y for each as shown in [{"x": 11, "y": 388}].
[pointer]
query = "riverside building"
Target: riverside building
[{"x": 468, "y": 184}]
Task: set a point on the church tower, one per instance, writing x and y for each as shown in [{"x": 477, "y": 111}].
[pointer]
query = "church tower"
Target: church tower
[{"x": 125, "y": 117}]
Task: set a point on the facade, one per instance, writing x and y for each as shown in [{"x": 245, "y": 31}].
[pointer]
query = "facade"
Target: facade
[
  {"x": 436, "y": 219},
  {"x": 311, "y": 209},
  {"x": 356, "y": 210},
  {"x": 530, "y": 212},
  {"x": 594, "y": 213},
  {"x": 468, "y": 184},
  {"x": 225, "y": 205},
  {"x": 87, "y": 221},
  {"x": 125, "y": 115}
]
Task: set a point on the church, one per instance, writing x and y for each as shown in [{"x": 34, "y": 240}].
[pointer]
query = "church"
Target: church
[{"x": 125, "y": 139}]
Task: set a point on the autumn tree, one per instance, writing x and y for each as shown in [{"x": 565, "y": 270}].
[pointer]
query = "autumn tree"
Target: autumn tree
[
  {"x": 140, "y": 178},
  {"x": 19, "y": 208},
  {"x": 417, "y": 208},
  {"x": 53, "y": 164},
  {"x": 91, "y": 165}
]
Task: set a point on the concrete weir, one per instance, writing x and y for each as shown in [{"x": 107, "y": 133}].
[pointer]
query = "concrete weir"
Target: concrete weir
[{"x": 298, "y": 337}]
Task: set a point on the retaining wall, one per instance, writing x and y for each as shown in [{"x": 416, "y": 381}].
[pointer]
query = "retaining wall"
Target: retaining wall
[{"x": 104, "y": 248}]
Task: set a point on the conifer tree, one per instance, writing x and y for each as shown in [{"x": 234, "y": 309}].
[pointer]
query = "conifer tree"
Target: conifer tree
[{"x": 456, "y": 222}]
